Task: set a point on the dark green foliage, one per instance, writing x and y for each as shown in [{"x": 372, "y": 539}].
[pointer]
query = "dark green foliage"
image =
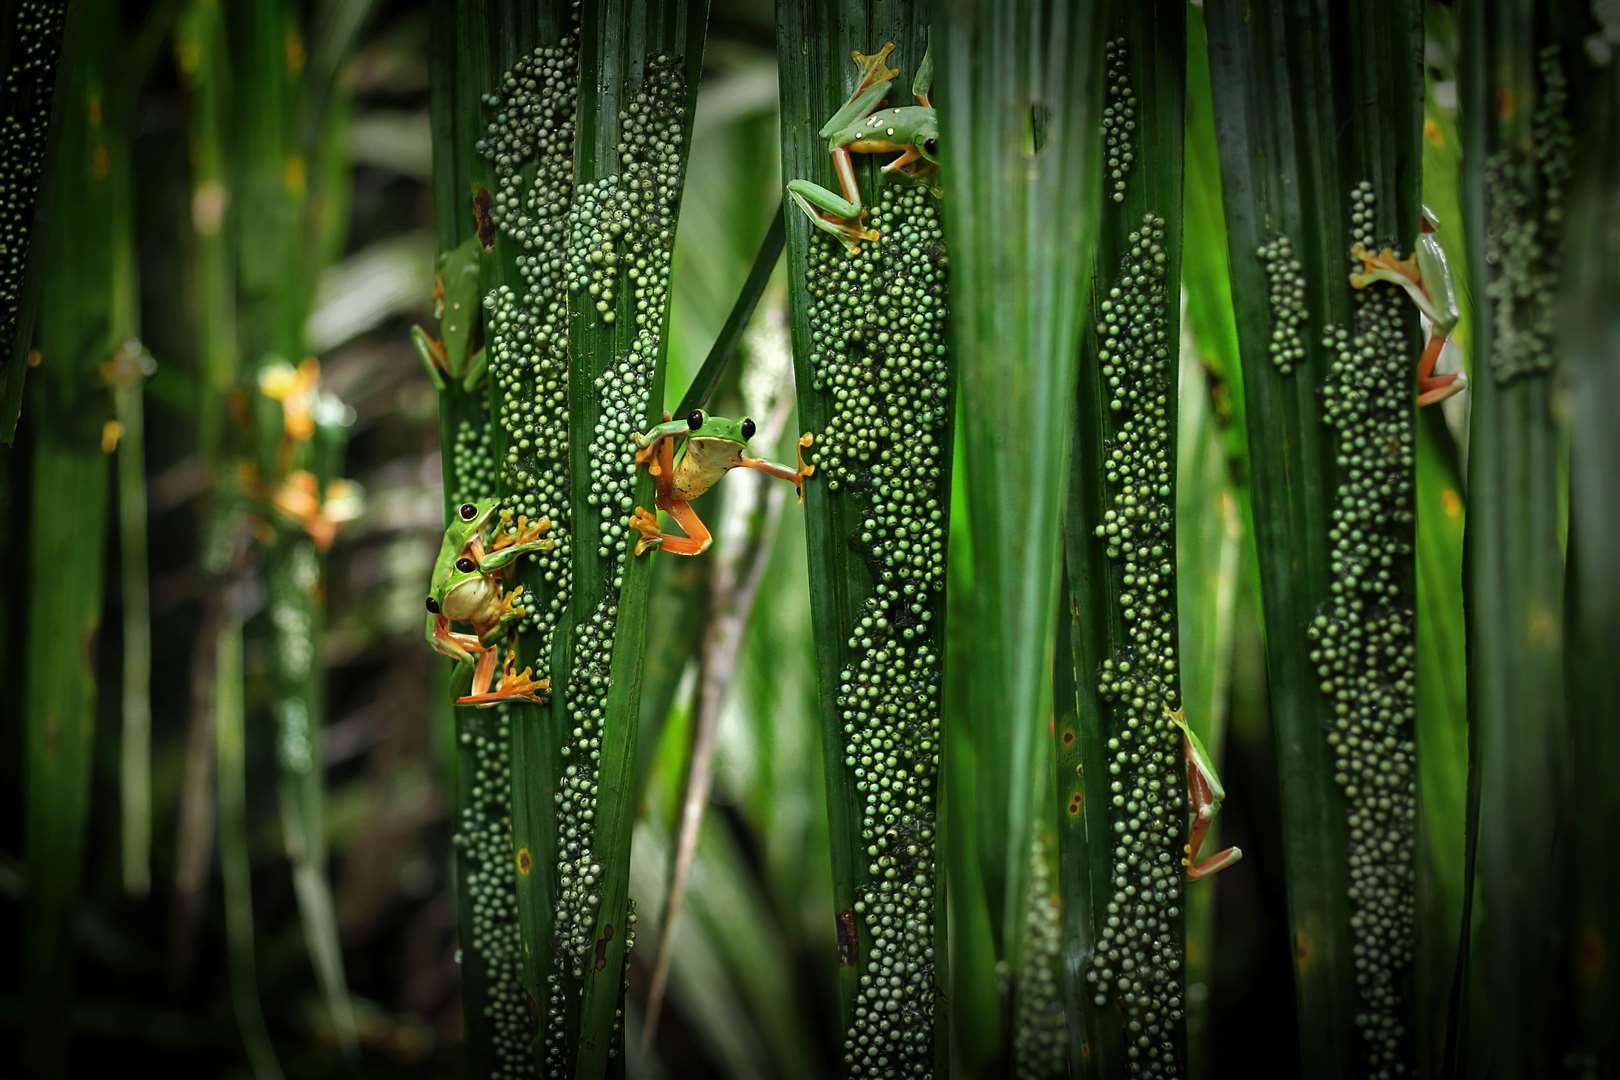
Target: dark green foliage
[
  {"x": 1119, "y": 527},
  {"x": 1020, "y": 87},
  {"x": 1517, "y": 128},
  {"x": 1353, "y": 81},
  {"x": 874, "y": 384},
  {"x": 1590, "y": 342},
  {"x": 81, "y": 322}
]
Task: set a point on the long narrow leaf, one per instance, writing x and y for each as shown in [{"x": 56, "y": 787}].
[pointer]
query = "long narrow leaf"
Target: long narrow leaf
[
  {"x": 1120, "y": 551},
  {"x": 1591, "y": 341},
  {"x": 633, "y": 128},
  {"x": 84, "y": 224},
  {"x": 874, "y": 384},
  {"x": 1323, "y": 368},
  {"x": 1518, "y": 134}
]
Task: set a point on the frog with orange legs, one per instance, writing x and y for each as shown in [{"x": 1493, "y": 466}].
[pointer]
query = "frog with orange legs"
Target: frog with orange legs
[{"x": 714, "y": 446}]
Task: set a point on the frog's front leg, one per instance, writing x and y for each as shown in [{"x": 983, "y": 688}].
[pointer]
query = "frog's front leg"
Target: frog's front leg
[
  {"x": 433, "y": 356},
  {"x": 524, "y": 542},
  {"x": 782, "y": 472},
  {"x": 509, "y": 613}
]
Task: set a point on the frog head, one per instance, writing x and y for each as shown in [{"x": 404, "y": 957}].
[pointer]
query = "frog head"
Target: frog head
[
  {"x": 701, "y": 425},
  {"x": 452, "y": 567}
]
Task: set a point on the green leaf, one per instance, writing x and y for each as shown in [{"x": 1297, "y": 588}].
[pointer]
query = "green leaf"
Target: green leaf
[
  {"x": 85, "y": 233},
  {"x": 642, "y": 60},
  {"x": 1518, "y": 128},
  {"x": 1019, "y": 86},
  {"x": 1591, "y": 341},
  {"x": 1352, "y": 79},
  {"x": 1119, "y": 525}
]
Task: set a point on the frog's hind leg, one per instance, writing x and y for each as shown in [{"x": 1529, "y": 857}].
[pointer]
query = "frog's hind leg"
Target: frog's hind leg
[
  {"x": 818, "y": 203},
  {"x": 1201, "y": 800},
  {"x": 515, "y": 685},
  {"x": 695, "y": 542},
  {"x": 1432, "y": 388}
]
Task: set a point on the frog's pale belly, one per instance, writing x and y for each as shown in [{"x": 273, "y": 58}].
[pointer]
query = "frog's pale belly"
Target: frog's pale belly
[
  {"x": 477, "y": 601},
  {"x": 705, "y": 461}
]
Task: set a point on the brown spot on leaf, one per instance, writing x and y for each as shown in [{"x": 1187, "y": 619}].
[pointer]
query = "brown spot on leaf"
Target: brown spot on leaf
[
  {"x": 484, "y": 218},
  {"x": 848, "y": 940},
  {"x": 1589, "y": 959},
  {"x": 602, "y": 946},
  {"x": 525, "y": 861},
  {"x": 1077, "y": 802},
  {"x": 1304, "y": 947},
  {"x": 1068, "y": 736}
]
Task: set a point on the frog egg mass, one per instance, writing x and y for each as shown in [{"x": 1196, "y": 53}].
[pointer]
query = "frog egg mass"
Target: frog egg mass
[
  {"x": 877, "y": 323},
  {"x": 1137, "y": 965},
  {"x": 1363, "y": 640}
]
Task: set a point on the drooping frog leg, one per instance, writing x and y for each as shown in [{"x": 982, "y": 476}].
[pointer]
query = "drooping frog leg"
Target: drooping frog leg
[
  {"x": 457, "y": 646},
  {"x": 782, "y": 472},
  {"x": 840, "y": 216},
  {"x": 432, "y": 353},
  {"x": 1434, "y": 388},
  {"x": 477, "y": 363},
  {"x": 1201, "y": 801}
]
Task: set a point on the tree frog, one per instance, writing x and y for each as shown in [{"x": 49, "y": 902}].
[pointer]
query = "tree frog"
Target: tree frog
[
  {"x": 466, "y": 588},
  {"x": 456, "y": 300},
  {"x": 714, "y": 446},
  {"x": 1204, "y": 796},
  {"x": 1427, "y": 279},
  {"x": 912, "y": 130}
]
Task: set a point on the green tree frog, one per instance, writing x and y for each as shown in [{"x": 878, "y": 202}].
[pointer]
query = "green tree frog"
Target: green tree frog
[
  {"x": 859, "y": 127},
  {"x": 1204, "y": 796},
  {"x": 1427, "y": 279},
  {"x": 456, "y": 299},
  {"x": 714, "y": 446},
  {"x": 466, "y": 588}
]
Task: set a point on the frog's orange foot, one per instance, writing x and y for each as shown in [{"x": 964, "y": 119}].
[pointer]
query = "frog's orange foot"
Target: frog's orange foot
[
  {"x": 1437, "y": 388},
  {"x": 645, "y": 522},
  {"x": 805, "y": 440},
  {"x": 1380, "y": 266},
  {"x": 1212, "y": 865},
  {"x": 523, "y": 532},
  {"x": 509, "y": 603},
  {"x": 874, "y": 68}
]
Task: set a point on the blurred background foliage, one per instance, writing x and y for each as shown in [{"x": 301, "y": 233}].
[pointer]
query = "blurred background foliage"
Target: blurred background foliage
[{"x": 751, "y": 982}]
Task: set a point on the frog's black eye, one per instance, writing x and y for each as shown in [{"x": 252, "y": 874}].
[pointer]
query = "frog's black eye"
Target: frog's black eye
[
  {"x": 694, "y": 419},
  {"x": 466, "y": 565},
  {"x": 433, "y": 605},
  {"x": 747, "y": 429},
  {"x": 468, "y": 511},
  {"x": 931, "y": 146}
]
